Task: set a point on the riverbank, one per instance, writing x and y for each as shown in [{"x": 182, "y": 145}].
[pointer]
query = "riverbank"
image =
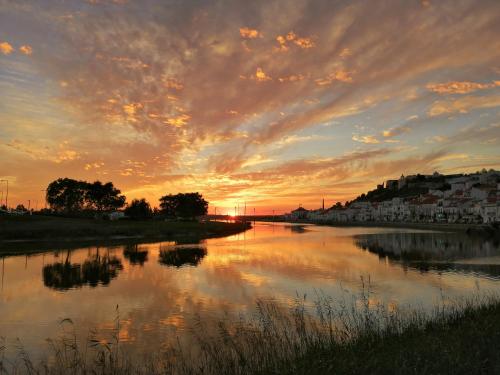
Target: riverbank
[
  {"x": 442, "y": 227},
  {"x": 456, "y": 338},
  {"x": 19, "y": 231}
]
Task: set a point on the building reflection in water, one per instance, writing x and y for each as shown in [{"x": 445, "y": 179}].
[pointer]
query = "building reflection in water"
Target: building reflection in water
[
  {"x": 445, "y": 252},
  {"x": 95, "y": 270}
]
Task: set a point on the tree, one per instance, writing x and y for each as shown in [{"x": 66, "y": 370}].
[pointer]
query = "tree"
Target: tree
[
  {"x": 66, "y": 194},
  {"x": 188, "y": 205},
  {"x": 103, "y": 197},
  {"x": 139, "y": 209},
  {"x": 20, "y": 207}
]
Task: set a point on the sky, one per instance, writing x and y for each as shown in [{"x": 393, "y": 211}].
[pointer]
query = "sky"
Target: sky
[{"x": 270, "y": 103}]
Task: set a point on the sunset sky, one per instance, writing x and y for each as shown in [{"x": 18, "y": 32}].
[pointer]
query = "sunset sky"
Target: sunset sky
[{"x": 273, "y": 103}]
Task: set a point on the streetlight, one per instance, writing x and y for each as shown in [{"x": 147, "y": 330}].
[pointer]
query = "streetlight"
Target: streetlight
[{"x": 6, "y": 194}]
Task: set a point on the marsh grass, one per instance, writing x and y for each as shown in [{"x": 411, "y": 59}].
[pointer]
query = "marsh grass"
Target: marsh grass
[{"x": 349, "y": 335}]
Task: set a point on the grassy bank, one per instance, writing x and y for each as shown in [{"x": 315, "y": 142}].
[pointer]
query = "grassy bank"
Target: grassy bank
[
  {"x": 341, "y": 338},
  {"x": 46, "y": 228}
]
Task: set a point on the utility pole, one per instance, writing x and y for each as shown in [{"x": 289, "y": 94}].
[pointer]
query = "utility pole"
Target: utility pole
[{"x": 6, "y": 194}]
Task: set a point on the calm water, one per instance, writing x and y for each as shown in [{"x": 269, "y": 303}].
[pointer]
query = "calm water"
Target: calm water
[{"x": 161, "y": 288}]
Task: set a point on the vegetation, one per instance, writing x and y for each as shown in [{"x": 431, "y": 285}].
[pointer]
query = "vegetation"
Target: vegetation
[
  {"x": 345, "y": 336},
  {"x": 68, "y": 195},
  {"x": 186, "y": 206},
  {"x": 139, "y": 209},
  {"x": 52, "y": 228}
]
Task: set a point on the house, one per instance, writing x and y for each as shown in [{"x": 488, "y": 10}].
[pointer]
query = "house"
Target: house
[{"x": 299, "y": 214}]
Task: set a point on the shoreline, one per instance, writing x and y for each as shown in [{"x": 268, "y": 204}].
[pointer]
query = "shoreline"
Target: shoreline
[
  {"x": 443, "y": 227},
  {"x": 41, "y": 233}
]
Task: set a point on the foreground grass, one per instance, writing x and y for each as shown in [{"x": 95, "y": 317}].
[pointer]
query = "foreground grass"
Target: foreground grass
[
  {"x": 53, "y": 228},
  {"x": 341, "y": 337}
]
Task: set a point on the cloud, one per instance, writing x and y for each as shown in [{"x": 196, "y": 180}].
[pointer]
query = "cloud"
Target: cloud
[
  {"x": 160, "y": 83},
  {"x": 27, "y": 50},
  {"x": 302, "y": 42},
  {"x": 6, "y": 48},
  {"x": 392, "y": 132},
  {"x": 463, "y": 105},
  {"x": 341, "y": 76},
  {"x": 368, "y": 139},
  {"x": 248, "y": 33},
  {"x": 436, "y": 139},
  {"x": 457, "y": 87},
  {"x": 261, "y": 76}
]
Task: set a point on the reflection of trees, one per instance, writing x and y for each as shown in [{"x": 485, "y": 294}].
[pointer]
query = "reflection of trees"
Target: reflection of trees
[
  {"x": 182, "y": 256},
  {"x": 134, "y": 255},
  {"x": 433, "y": 251},
  {"x": 93, "y": 271}
]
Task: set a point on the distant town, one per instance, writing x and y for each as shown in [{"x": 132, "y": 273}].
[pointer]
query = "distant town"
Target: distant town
[{"x": 459, "y": 198}]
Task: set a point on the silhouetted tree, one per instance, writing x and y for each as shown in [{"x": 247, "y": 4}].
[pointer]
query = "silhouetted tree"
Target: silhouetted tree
[
  {"x": 139, "y": 209},
  {"x": 104, "y": 197},
  {"x": 21, "y": 207},
  {"x": 66, "y": 194},
  {"x": 181, "y": 205}
]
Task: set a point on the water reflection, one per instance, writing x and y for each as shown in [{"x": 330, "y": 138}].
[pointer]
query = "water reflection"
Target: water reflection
[
  {"x": 435, "y": 251},
  {"x": 135, "y": 255},
  {"x": 182, "y": 256},
  {"x": 163, "y": 288},
  {"x": 94, "y": 271}
]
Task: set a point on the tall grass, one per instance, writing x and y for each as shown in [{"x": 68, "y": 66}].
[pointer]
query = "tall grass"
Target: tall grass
[{"x": 346, "y": 335}]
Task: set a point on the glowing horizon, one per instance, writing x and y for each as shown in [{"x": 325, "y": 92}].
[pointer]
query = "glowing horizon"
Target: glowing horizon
[{"x": 274, "y": 103}]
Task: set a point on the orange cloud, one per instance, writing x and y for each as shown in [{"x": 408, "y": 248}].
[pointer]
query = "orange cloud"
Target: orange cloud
[
  {"x": 173, "y": 83},
  {"x": 463, "y": 105},
  {"x": 368, "y": 139},
  {"x": 282, "y": 42},
  {"x": 248, "y": 33},
  {"x": 340, "y": 75},
  {"x": 395, "y": 131},
  {"x": 463, "y": 87},
  {"x": 346, "y": 52},
  {"x": 27, "y": 50},
  {"x": 6, "y": 48},
  {"x": 261, "y": 76},
  {"x": 292, "y": 78},
  {"x": 294, "y": 38},
  {"x": 178, "y": 121}
]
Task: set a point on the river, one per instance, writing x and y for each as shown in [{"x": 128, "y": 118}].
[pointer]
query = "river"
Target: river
[{"x": 151, "y": 294}]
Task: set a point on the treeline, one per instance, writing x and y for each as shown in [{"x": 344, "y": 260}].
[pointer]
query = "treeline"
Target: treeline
[{"x": 69, "y": 196}]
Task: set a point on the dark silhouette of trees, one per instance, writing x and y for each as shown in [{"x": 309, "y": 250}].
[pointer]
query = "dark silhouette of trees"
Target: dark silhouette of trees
[
  {"x": 20, "y": 207},
  {"x": 139, "y": 209},
  {"x": 66, "y": 194},
  {"x": 186, "y": 206},
  {"x": 103, "y": 197}
]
